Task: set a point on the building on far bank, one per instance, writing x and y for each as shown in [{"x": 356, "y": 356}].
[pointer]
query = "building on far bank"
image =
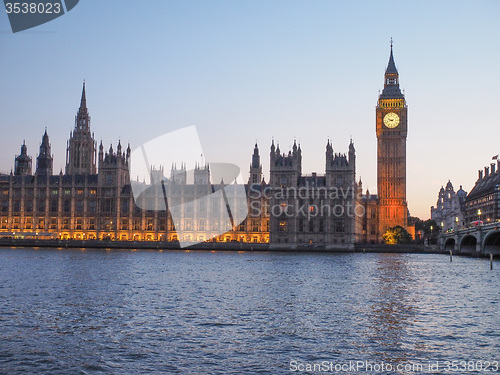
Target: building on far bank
[
  {"x": 449, "y": 212},
  {"x": 483, "y": 201},
  {"x": 94, "y": 198},
  {"x": 458, "y": 210}
]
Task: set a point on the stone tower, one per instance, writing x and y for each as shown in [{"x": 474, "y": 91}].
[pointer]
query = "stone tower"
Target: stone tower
[
  {"x": 81, "y": 150},
  {"x": 392, "y": 129},
  {"x": 285, "y": 169},
  {"x": 340, "y": 168},
  {"x": 22, "y": 164},
  {"x": 113, "y": 166}
]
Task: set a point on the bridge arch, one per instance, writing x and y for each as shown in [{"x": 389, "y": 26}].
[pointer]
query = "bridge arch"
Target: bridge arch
[
  {"x": 468, "y": 244},
  {"x": 449, "y": 244},
  {"x": 492, "y": 243}
]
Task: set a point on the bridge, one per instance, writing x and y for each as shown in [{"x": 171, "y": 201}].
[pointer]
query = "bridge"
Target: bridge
[{"x": 483, "y": 239}]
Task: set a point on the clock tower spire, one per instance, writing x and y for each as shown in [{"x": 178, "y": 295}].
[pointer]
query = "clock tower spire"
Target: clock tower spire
[{"x": 392, "y": 129}]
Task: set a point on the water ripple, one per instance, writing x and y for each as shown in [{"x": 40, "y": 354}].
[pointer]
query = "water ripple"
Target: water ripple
[{"x": 141, "y": 312}]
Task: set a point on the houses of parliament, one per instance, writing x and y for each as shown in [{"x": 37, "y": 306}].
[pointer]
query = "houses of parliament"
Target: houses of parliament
[{"x": 93, "y": 198}]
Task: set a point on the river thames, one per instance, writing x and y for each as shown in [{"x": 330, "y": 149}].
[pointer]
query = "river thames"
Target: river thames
[{"x": 180, "y": 312}]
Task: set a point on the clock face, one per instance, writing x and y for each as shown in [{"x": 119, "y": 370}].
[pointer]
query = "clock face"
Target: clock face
[{"x": 391, "y": 120}]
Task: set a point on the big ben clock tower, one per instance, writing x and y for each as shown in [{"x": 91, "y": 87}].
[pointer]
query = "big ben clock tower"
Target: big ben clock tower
[{"x": 392, "y": 128}]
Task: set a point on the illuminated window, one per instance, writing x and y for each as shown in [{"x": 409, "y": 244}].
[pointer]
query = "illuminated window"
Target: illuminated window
[
  {"x": 79, "y": 223},
  {"x": 282, "y": 226}
]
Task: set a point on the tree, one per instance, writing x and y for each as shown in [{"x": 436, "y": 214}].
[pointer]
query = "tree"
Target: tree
[{"x": 397, "y": 235}]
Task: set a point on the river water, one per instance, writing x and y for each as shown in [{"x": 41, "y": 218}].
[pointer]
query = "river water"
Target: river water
[{"x": 180, "y": 312}]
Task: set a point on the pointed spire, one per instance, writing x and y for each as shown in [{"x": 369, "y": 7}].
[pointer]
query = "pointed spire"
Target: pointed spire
[
  {"x": 391, "y": 67},
  {"x": 44, "y": 160},
  {"x": 80, "y": 154},
  {"x": 391, "y": 84},
  {"x": 329, "y": 150},
  {"x": 24, "y": 149},
  {"x": 256, "y": 149},
  {"x": 45, "y": 146},
  {"x": 83, "y": 102}
]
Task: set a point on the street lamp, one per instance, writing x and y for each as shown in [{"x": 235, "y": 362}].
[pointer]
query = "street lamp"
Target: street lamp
[{"x": 479, "y": 213}]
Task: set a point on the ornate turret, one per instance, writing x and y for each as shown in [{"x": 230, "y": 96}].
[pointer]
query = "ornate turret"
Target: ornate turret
[
  {"x": 352, "y": 155},
  {"x": 178, "y": 176},
  {"x": 255, "y": 167},
  {"x": 286, "y": 168},
  {"x": 113, "y": 167},
  {"x": 44, "y": 161},
  {"x": 22, "y": 164},
  {"x": 272, "y": 154},
  {"x": 101, "y": 153},
  {"x": 329, "y": 152},
  {"x": 338, "y": 161}
]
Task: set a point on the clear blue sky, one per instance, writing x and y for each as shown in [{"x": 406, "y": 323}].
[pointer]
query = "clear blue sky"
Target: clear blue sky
[{"x": 252, "y": 70}]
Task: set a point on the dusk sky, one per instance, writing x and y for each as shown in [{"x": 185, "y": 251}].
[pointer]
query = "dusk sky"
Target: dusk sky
[{"x": 250, "y": 71}]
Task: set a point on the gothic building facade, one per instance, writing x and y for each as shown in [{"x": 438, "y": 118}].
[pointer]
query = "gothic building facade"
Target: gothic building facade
[
  {"x": 94, "y": 198},
  {"x": 312, "y": 210}
]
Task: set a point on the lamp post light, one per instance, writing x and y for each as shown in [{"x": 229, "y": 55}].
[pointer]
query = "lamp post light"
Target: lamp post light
[{"x": 479, "y": 214}]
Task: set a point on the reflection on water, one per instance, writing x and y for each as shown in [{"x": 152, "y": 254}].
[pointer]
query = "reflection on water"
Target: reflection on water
[
  {"x": 392, "y": 308},
  {"x": 75, "y": 311}
]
